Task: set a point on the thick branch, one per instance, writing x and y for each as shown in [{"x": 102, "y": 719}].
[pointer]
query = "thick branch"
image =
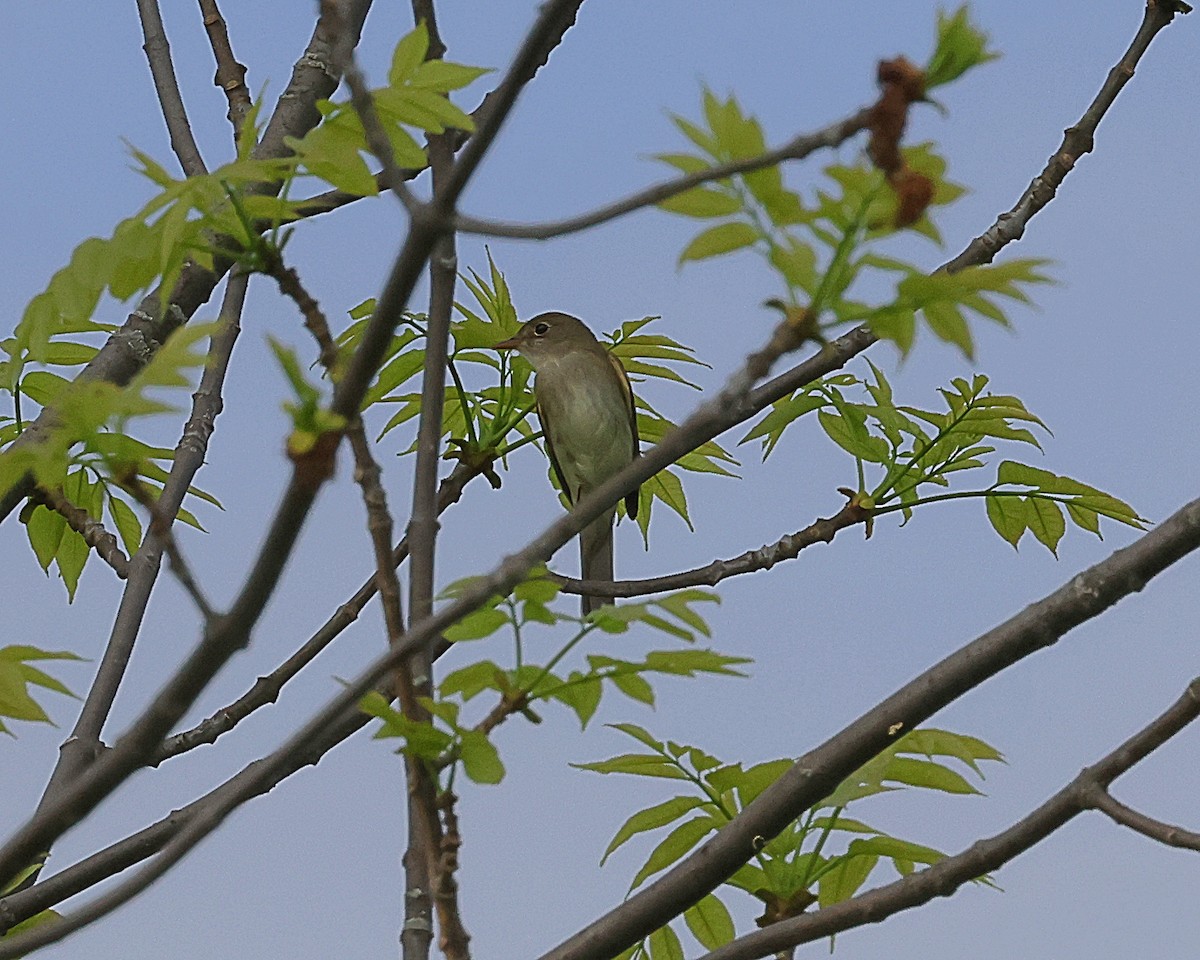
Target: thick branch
[
  {"x": 946, "y": 876},
  {"x": 820, "y": 770}
]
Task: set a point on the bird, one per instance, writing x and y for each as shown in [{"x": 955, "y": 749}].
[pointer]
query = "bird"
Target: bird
[{"x": 585, "y": 405}]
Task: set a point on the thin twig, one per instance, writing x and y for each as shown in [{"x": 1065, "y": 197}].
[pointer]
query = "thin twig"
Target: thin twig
[
  {"x": 422, "y": 534},
  {"x": 364, "y": 105},
  {"x": 83, "y": 745},
  {"x": 1097, "y": 797},
  {"x": 982, "y": 857},
  {"x": 785, "y": 548},
  {"x": 798, "y": 148},
  {"x": 92, "y": 530},
  {"x": 158, "y": 55},
  {"x": 424, "y": 827},
  {"x": 230, "y": 75},
  {"x": 266, "y": 689}
]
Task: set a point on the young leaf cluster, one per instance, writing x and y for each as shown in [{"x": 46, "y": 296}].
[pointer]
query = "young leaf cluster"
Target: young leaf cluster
[
  {"x": 823, "y": 249},
  {"x": 579, "y": 685},
  {"x": 915, "y": 452},
  {"x": 416, "y": 97},
  {"x": 822, "y": 858},
  {"x": 92, "y": 461}
]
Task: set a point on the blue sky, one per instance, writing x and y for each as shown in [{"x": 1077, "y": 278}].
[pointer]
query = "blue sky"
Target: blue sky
[{"x": 1106, "y": 359}]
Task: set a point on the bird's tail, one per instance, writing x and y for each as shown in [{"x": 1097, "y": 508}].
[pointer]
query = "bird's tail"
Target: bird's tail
[{"x": 596, "y": 557}]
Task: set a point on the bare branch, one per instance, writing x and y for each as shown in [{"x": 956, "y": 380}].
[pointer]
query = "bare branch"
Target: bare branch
[
  {"x": 984, "y": 856},
  {"x": 796, "y": 149},
  {"x": 230, "y": 75},
  {"x": 1098, "y": 798},
  {"x": 785, "y": 548},
  {"x": 1078, "y": 139},
  {"x": 92, "y": 530},
  {"x": 266, "y": 689},
  {"x": 158, "y": 54}
]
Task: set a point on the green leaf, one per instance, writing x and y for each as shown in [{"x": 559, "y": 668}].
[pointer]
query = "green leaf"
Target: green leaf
[
  {"x": 933, "y": 742},
  {"x": 636, "y": 764},
  {"x": 472, "y": 680},
  {"x": 45, "y": 528},
  {"x": 581, "y": 695},
  {"x": 674, "y": 846},
  {"x": 663, "y": 944},
  {"x": 1008, "y": 516},
  {"x": 960, "y": 46},
  {"x": 702, "y": 202},
  {"x": 1045, "y": 521},
  {"x": 723, "y": 238},
  {"x": 844, "y": 878},
  {"x": 651, "y": 819},
  {"x": 129, "y": 527},
  {"x": 408, "y": 55},
  {"x": 926, "y": 774},
  {"x": 480, "y": 759},
  {"x": 710, "y": 922},
  {"x": 634, "y": 687},
  {"x": 476, "y": 625},
  {"x": 16, "y": 676}
]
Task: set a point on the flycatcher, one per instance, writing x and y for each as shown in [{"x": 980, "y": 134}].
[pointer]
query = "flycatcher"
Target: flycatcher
[{"x": 585, "y": 405}]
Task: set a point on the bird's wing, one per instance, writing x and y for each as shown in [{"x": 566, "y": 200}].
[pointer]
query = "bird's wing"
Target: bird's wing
[
  {"x": 562, "y": 481},
  {"x": 631, "y": 498}
]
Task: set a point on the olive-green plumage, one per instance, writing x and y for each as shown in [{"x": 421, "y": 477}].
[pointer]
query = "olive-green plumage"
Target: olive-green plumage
[{"x": 585, "y": 404}]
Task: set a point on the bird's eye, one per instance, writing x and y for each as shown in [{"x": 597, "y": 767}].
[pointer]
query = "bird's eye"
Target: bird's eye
[{"x": 540, "y": 329}]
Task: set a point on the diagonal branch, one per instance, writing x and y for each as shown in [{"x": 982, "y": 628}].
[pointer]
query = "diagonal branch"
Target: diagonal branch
[
  {"x": 158, "y": 54},
  {"x": 984, "y": 856},
  {"x": 92, "y": 530},
  {"x": 1085, "y": 596},
  {"x": 1098, "y": 798}
]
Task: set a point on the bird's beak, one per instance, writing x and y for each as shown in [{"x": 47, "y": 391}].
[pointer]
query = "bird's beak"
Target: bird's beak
[{"x": 513, "y": 343}]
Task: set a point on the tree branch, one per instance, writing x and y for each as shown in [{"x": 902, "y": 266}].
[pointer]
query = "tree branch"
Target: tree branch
[
  {"x": 92, "y": 530},
  {"x": 820, "y": 770},
  {"x": 158, "y": 54},
  {"x": 785, "y": 548},
  {"x": 946, "y": 876},
  {"x": 1096, "y": 797},
  {"x": 83, "y": 745},
  {"x": 796, "y": 149},
  {"x": 230, "y": 75},
  {"x": 232, "y": 631}
]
